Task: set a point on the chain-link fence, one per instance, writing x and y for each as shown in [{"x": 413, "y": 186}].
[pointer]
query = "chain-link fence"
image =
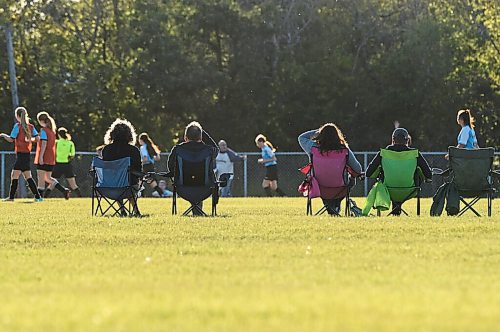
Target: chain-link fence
[{"x": 248, "y": 174}]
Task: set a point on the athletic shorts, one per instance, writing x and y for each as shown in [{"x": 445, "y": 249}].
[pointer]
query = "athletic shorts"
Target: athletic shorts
[
  {"x": 271, "y": 173},
  {"x": 22, "y": 162},
  {"x": 45, "y": 167},
  {"x": 147, "y": 168},
  {"x": 63, "y": 170}
]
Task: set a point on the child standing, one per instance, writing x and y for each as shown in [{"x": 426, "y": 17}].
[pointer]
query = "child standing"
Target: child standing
[
  {"x": 65, "y": 152},
  {"x": 23, "y": 134},
  {"x": 45, "y": 157},
  {"x": 270, "y": 182}
]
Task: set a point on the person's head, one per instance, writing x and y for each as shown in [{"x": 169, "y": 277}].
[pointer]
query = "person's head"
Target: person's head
[
  {"x": 329, "y": 138},
  {"x": 464, "y": 118},
  {"x": 120, "y": 131},
  {"x": 193, "y": 132},
  {"x": 23, "y": 118},
  {"x": 63, "y": 133},
  {"x": 262, "y": 141},
  {"x": 400, "y": 136},
  {"x": 222, "y": 146},
  {"x": 46, "y": 121},
  {"x": 162, "y": 184},
  {"x": 152, "y": 148}
]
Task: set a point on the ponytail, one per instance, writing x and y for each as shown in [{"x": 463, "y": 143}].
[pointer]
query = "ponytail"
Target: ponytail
[
  {"x": 46, "y": 118},
  {"x": 64, "y": 134},
  {"x": 467, "y": 117},
  {"x": 22, "y": 114}
]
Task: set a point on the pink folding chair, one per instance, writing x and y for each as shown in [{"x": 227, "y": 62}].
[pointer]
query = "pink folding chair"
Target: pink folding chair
[{"x": 327, "y": 177}]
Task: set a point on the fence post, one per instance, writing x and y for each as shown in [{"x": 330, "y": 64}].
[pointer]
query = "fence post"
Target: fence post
[
  {"x": 2, "y": 176},
  {"x": 245, "y": 176},
  {"x": 365, "y": 165}
]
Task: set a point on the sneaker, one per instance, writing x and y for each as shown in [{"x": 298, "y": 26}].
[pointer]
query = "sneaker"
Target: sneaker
[
  {"x": 38, "y": 200},
  {"x": 8, "y": 200},
  {"x": 67, "y": 194}
]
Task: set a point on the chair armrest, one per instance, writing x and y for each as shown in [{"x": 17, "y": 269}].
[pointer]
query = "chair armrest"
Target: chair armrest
[
  {"x": 166, "y": 174},
  {"x": 440, "y": 172},
  {"x": 496, "y": 174}
]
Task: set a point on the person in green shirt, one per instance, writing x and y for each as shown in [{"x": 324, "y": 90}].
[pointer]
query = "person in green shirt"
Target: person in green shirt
[{"x": 65, "y": 152}]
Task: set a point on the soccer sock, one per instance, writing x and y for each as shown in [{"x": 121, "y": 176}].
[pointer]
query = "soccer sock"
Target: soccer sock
[
  {"x": 268, "y": 191},
  {"x": 34, "y": 189},
  {"x": 60, "y": 188},
  {"x": 47, "y": 192},
  {"x": 77, "y": 191},
  {"x": 41, "y": 191},
  {"x": 159, "y": 190},
  {"x": 280, "y": 192},
  {"x": 13, "y": 188}
]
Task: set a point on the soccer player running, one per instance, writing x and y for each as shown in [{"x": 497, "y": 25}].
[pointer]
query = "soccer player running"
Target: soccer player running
[
  {"x": 22, "y": 135},
  {"x": 150, "y": 153},
  {"x": 65, "y": 153},
  {"x": 269, "y": 160},
  {"x": 45, "y": 157}
]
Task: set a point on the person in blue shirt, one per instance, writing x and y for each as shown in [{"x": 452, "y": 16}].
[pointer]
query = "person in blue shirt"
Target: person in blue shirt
[
  {"x": 467, "y": 137},
  {"x": 270, "y": 182},
  {"x": 150, "y": 153}
]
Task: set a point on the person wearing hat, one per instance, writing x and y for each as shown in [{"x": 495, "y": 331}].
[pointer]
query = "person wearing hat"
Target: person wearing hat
[{"x": 400, "y": 142}]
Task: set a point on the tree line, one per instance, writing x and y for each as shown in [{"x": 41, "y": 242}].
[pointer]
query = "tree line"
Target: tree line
[{"x": 242, "y": 67}]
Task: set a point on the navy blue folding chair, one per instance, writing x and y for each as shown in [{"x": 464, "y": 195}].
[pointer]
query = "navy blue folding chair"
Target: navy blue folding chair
[{"x": 112, "y": 190}]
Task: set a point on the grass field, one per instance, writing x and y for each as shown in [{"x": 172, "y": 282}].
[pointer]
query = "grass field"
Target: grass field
[{"x": 261, "y": 266}]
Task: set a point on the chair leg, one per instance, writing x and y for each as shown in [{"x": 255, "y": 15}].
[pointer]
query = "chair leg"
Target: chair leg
[
  {"x": 174, "y": 203},
  {"x": 418, "y": 203},
  {"x": 309, "y": 207},
  {"x": 469, "y": 206},
  {"x": 378, "y": 213},
  {"x": 490, "y": 203}
]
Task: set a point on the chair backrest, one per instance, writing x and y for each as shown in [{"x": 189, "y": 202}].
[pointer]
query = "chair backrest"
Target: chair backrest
[
  {"x": 194, "y": 168},
  {"x": 471, "y": 168},
  {"x": 399, "y": 168},
  {"x": 330, "y": 167},
  {"x": 112, "y": 174}
]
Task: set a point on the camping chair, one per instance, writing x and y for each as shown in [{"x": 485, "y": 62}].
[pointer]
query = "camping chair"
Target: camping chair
[
  {"x": 327, "y": 177},
  {"x": 194, "y": 180},
  {"x": 112, "y": 190},
  {"x": 472, "y": 174},
  {"x": 397, "y": 172}
]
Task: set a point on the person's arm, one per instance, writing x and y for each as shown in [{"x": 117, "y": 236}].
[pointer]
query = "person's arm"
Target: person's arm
[
  {"x": 373, "y": 166},
  {"x": 354, "y": 164},
  {"x": 233, "y": 156},
  {"x": 7, "y": 137},
  {"x": 72, "y": 151},
  {"x": 463, "y": 137},
  {"x": 34, "y": 135},
  {"x": 13, "y": 134},
  {"x": 306, "y": 142},
  {"x": 424, "y": 166},
  {"x": 171, "y": 160},
  {"x": 43, "y": 147}
]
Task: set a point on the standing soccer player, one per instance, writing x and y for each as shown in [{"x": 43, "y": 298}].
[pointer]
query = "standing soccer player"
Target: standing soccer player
[
  {"x": 23, "y": 134},
  {"x": 65, "y": 152},
  {"x": 269, "y": 160},
  {"x": 45, "y": 157}
]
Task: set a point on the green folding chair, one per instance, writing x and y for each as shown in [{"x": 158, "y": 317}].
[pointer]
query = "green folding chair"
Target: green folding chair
[
  {"x": 399, "y": 169},
  {"x": 471, "y": 172}
]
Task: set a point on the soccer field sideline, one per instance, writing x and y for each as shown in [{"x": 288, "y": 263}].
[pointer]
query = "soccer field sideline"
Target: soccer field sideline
[{"x": 261, "y": 265}]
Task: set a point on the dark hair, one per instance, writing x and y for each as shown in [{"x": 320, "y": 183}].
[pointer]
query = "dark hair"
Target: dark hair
[
  {"x": 152, "y": 148},
  {"x": 63, "y": 133},
  {"x": 466, "y": 117},
  {"x": 401, "y": 136},
  {"x": 329, "y": 138},
  {"x": 193, "y": 131},
  {"x": 120, "y": 131},
  {"x": 46, "y": 118}
]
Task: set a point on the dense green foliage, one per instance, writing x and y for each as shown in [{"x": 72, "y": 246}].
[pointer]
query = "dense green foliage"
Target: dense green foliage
[
  {"x": 248, "y": 66},
  {"x": 275, "y": 270}
]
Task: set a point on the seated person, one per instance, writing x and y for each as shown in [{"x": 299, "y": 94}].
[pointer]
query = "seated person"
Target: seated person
[
  {"x": 120, "y": 143},
  {"x": 400, "y": 142},
  {"x": 329, "y": 138},
  {"x": 162, "y": 184},
  {"x": 193, "y": 141}
]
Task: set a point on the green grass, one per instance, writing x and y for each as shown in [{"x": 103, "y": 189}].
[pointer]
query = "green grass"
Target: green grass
[{"x": 261, "y": 266}]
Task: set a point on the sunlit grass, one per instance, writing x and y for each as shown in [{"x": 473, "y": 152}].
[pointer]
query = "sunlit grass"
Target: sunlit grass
[{"x": 261, "y": 266}]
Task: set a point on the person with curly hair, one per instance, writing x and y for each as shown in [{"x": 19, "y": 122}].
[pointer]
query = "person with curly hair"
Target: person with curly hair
[{"x": 120, "y": 143}]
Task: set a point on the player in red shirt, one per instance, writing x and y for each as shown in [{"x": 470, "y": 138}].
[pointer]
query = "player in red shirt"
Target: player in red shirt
[
  {"x": 23, "y": 134},
  {"x": 45, "y": 157}
]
